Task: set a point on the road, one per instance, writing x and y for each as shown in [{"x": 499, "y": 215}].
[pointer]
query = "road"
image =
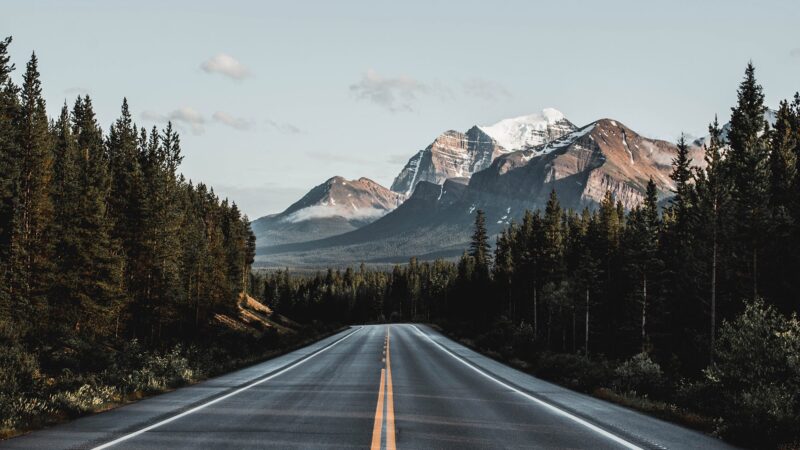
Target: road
[{"x": 379, "y": 386}]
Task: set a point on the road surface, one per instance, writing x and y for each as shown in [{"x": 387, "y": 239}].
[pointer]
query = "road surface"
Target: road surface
[{"x": 378, "y": 386}]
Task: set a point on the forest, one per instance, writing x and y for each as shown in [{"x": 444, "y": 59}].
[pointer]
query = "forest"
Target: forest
[
  {"x": 114, "y": 268},
  {"x": 685, "y": 306}
]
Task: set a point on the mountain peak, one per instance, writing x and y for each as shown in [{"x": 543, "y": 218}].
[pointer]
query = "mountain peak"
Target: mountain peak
[{"x": 530, "y": 130}]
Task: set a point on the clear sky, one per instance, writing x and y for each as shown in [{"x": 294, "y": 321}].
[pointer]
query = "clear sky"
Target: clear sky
[{"x": 275, "y": 97}]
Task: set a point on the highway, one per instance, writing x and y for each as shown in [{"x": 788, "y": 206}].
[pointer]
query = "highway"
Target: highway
[{"x": 377, "y": 386}]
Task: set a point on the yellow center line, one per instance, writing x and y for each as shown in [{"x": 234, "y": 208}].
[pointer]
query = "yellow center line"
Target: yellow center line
[
  {"x": 376, "y": 428},
  {"x": 385, "y": 392},
  {"x": 390, "y": 443}
]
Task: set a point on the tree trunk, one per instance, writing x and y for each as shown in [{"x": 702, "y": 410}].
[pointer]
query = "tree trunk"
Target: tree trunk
[
  {"x": 535, "y": 313},
  {"x": 713, "y": 295},
  {"x": 755, "y": 272},
  {"x": 586, "y": 331},
  {"x": 644, "y": 311}
]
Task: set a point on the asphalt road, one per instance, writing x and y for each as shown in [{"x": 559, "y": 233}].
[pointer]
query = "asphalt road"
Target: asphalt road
[{"x": 398, "y": 386}]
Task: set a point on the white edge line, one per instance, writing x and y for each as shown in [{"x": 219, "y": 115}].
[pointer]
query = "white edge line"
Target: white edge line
[
  {"x": 228, "y": 395},
  {"x": 549, "y": 406}
]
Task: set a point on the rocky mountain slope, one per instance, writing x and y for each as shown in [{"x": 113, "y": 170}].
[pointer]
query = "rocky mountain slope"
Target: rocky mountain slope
[
  {"x": 334, "y": 207},
  {"x": 454, "y": 154}
]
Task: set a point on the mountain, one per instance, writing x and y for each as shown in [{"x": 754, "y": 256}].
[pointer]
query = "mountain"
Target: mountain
[
  {"x": 454, "y": 154},
  {"x": 436, "y": 220},
  {"x": 334, "y": 207},
  {"x": 581, "y": 167}
]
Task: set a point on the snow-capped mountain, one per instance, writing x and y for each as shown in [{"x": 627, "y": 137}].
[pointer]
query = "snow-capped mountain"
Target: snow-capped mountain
[
  {"x": 336, "y": 206},
  {"x": 454, "y": 154},
  {"x": 581, "y": 166},
  {"x": 533, "y": 130},
  {"x": 436, "y": 221}
]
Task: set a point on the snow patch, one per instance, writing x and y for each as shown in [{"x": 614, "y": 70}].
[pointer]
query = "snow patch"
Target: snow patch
[
  {"x": 518, "y": 132},
  {"x": 566, "y": 140},
  {"x": 627, "y": 149}
]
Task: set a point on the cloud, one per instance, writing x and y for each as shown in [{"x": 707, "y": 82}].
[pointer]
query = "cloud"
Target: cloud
[
  {"x": 238, "y": 123},
  {"x": 184, "y": 115},
  {"x": 283, "y": 127},
  {"x": 485, "y": 89},
  {"x": 348, "y": 212},
  {"x": 795, "y": 52},
  {"x": 226, "y": 65},
  {"x": 392, "y": 93}
]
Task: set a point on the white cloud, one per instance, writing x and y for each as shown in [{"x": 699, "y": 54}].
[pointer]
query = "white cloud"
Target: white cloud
[
  {"x": 392, "y": 93},
  {"x": 284, "y": 127},
  {"x": 348, "y": 212},
  {"x": 226, "y": 65},
  {"x": 485, "y": 89},
  {"x": 238, "y": 123},
  {"x": 184, "y": 115}
]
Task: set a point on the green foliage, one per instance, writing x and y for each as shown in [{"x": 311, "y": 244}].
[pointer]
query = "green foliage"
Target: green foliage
[
  {"x": 640, "y": 374},
  {"x": 757, "y": 375}
]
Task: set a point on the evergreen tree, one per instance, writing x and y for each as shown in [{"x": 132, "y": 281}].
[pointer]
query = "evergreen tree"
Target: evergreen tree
[
  {"x": 747, "y": 161},
  {"x": 479, "y": 245},
  {"x": 781, "y": 261},
  {"x": 31, "y": 247},
  {"x": 641, "y": 247},
  {"x": 88, "y": 289},
  {"x": 9, "y": 159},
  {"x": 709, "y": 224}
]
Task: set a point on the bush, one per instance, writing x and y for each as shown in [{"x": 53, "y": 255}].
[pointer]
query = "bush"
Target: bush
[
  {"x": 757, "y": 377},
  {"x": 19, "y": 370},
  {"x": 85, "y": 399},
  {"x": 160, "y": 372},
  {"x": 639, "y": 375}
]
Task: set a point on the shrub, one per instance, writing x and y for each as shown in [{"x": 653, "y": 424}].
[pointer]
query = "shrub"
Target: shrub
[
  {"x": 639, "y": 375},
  {"x": 757, "y": 376},
  {"x": 19, "y": 370},
  {"x": 84, "y": 399}
]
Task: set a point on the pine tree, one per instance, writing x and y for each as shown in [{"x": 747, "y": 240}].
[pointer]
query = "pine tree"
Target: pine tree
[
  {"x": 641, "y": 247},
  {"x": 781, "y": 261},
  {"x": 682, "y": 175},
  {"x": 88, "y": 288},
  {"x": 713, "y": 195},
  {"x": 9, "y": 175},
  {"x": 747, "y": 161},
  {"x": 31, "y": 248},
  {"x": 479, "y": 245}
]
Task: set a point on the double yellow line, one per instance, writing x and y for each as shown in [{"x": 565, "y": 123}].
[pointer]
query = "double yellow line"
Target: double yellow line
[{"x": 385, "y": 393}]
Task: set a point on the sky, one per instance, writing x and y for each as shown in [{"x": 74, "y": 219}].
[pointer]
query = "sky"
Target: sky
[{"x": 273, "y": 98}]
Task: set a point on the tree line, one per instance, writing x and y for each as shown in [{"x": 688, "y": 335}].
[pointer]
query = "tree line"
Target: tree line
[{"x": 101, "y": 239}]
